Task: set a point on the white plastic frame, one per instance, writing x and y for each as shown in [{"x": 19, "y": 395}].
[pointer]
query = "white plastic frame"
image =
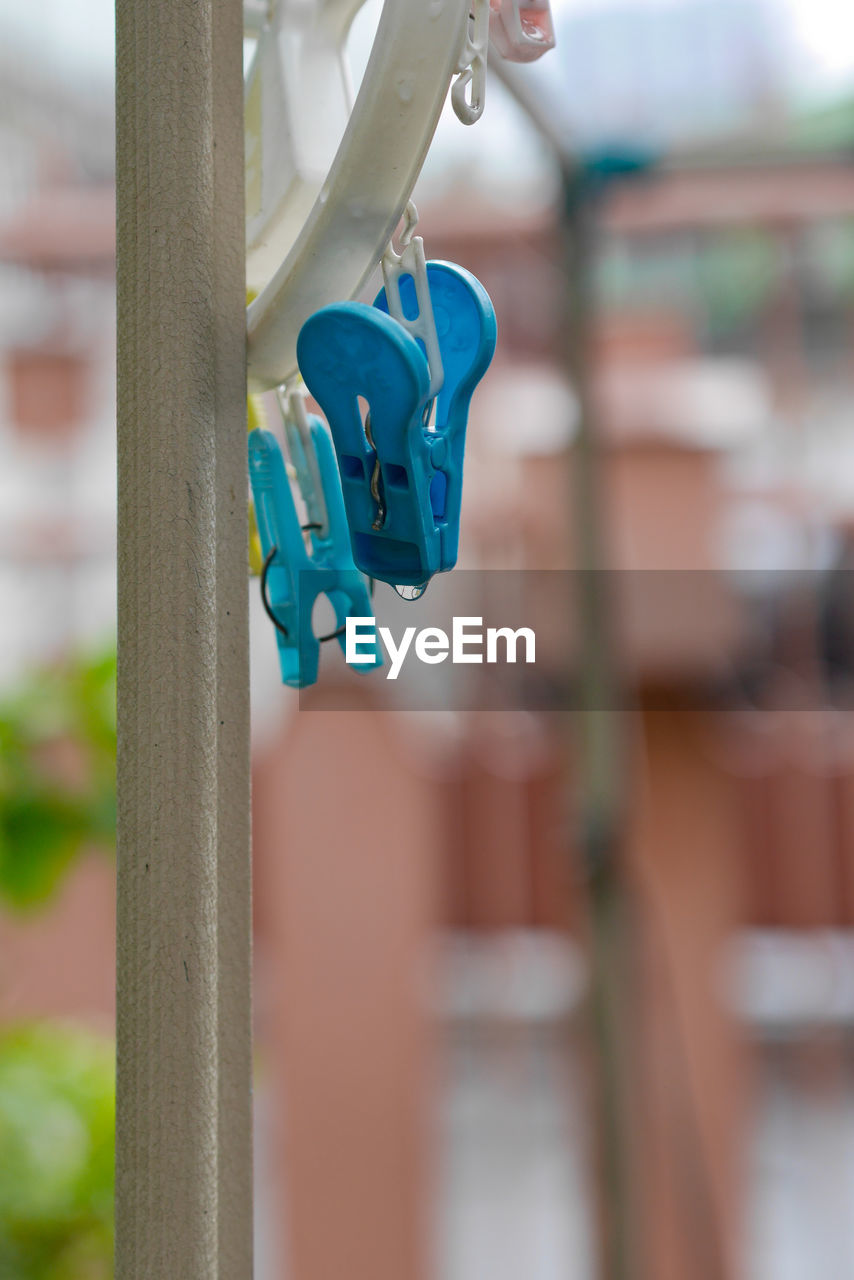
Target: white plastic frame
[{"x": 329, "y": 231}]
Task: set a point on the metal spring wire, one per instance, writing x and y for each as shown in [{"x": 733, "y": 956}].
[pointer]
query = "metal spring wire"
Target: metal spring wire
[{"x": 268, "y": 608}]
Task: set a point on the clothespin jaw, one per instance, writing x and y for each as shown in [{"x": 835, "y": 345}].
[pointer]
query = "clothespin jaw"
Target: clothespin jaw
[
  {"x": 278, "y": 528},
  {"x": 467, "y": 332},
  {"x": 351, "y": 350},
  {"x": 294, "y": 579}
]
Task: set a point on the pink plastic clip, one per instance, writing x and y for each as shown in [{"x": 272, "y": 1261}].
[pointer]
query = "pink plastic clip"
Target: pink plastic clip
[{"x": 521, "y": 30}]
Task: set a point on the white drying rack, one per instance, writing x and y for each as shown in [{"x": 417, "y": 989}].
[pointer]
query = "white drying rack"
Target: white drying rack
[{"x": 328, "y": 179}]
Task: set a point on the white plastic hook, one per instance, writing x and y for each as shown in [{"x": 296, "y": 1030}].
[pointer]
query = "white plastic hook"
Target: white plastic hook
[
  {"x": 409, "y": 260},
  {"x": 468, "y": 102},
  {"x": 295, "y": 418}
]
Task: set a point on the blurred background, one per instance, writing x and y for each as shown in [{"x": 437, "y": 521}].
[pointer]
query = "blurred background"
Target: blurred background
[{"x": 537, "y": 994}]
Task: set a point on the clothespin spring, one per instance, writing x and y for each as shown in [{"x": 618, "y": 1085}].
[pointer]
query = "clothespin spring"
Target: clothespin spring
[
  {"x": 376, "y": 478},
  {"x": 268, "y": 608}
]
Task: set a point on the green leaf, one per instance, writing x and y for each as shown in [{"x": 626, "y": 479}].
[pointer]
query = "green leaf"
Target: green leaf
[
  {"x": 57, "y": 773},
  {"x": 56, "y": 1154}
]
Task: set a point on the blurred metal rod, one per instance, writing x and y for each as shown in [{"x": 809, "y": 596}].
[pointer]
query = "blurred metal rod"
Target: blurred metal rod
[
  {"x": 601, "y": 779},
  {"x": 536, "y": 107},
  {"x": 543, "y": 111},
  {"x": 602, "y": 782},
  {"x": 183, "y": 1145}
]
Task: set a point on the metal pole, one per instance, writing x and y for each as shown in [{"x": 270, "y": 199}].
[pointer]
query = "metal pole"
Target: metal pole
[
  {"x": 601, "y": 759},
  {"x": 183, "y": 1159},
  {"x": 598, "y": 772}
]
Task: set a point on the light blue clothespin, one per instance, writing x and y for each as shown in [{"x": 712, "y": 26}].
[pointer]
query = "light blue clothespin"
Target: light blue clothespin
[
  {"x": 466, "y": 326},
  {"x": 401, "y": 477},
  {"x": 294, "y": 575}
]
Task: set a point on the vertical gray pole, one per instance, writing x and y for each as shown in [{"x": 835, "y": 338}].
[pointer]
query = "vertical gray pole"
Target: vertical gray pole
[
  {"x": 601, "y": 763},
  {"x": 183, "y": 1162}
]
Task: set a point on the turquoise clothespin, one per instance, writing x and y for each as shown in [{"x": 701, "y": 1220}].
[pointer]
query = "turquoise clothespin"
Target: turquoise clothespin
[
  {"x": 293, "y": 575},
  {"x": 401, "y": 476}
]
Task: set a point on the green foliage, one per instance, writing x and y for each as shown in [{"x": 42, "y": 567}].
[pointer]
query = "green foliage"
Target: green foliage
[
  {"x": 56, "y": 1155},
  {"x": 57, "y": 773}
]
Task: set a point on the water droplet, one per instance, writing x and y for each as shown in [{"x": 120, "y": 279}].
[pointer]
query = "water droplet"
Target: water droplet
[{"x": 411, "y": 593}]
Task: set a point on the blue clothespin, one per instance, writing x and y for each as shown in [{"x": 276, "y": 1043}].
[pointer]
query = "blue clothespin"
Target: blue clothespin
[
  {"x": 401, "y": 477},
  {"x": 293, "y": 578},
  {"x": 466, "y": 327}
]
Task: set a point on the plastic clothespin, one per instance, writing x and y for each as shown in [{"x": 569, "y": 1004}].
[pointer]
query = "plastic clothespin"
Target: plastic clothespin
[
  {"x": 295, "y": 576},
  {"x": 521, "y": 30},
  {"x": 465, "y": 322},
  {"x": 401, "y": 476}
]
